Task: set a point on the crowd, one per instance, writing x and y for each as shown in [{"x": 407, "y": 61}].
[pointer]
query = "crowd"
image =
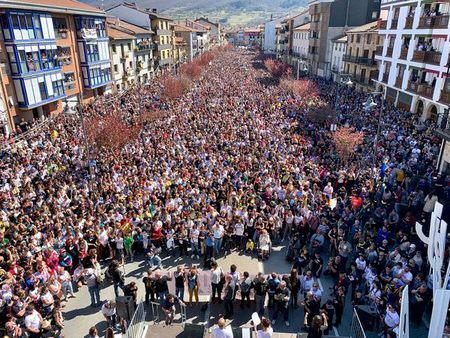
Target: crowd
[{"x": 220, "y": 171}]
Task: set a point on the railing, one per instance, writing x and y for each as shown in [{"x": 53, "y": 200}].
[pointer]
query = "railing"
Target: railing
[
  {"x": 366, "y": 61},
  {"x": 17, "y": 141},
  {"x": 445, "y": 96},
  {"x": 389, "y": 51},
  {"x": 399, "y": 82},
  {"x": 404, "y": 53},
  {"x": 164, "y": 46},
  {"x": 350, "y": 58},
  {"x": 419, "y": 56},
  {"x": 426, "y": 90},
  {"x": 163, "y": 32},
  {"x": 385, "y": 78},
  {"x": 356, "y": 327},
  {"x": 136, "y": 327},
  {"x": 441, "y": 21},
  {"x": 409, "y": 22},
  {"x": 394, "y": 23},
  {"x": 383, "y": 24},
  {"x": 61, "y": 33},
  {"x": 433, "y": 57},
  {"x": 69, "y": 85},
  {"x": 426, "y": 22}
]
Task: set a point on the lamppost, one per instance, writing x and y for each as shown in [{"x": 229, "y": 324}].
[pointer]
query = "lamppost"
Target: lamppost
[{"x": 368, "y": 106}]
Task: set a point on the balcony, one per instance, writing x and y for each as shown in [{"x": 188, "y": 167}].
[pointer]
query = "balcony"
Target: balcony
[
  {"x": 163, "y": 32},
  {"x": 404, "y": 54},
  {"x": 426, "y": 22},
  {"x": 427, "y": 57},
  {"x": 409, "y": 22},
  {"x": 385, "y": 77},
  {"x": 350, "y": 58},
  {"x": 383, "y": 24},
  {"x": 389, "y": 51},
  {"x": 437, "y": 22},
  {"x": 413, "y": 87},
  {"x": 426, "y": 90},
  {"x": 399, "y": 82},
  {"x": 445, "y": 96},
  {"x": 366, "y": 61},
  {"x": 419, "y": 56},
  {"x": 394, "y": 23},
  {"x": 374, "y": 75},
  {"x": 144, "y": 47},
  {"x": 69, "y": 85},
  {"x": 165, "y": 62},
  {"x": 61, "y": 33},
  {"x": 164, "y": 46}
]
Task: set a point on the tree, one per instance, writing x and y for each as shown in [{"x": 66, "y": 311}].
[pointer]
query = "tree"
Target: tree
[
  {"x": 346, "y": 140},
  {"x": 277, "y": 68},
  {"x": 110, "y": 132},
  {"x": 173, "y": 87},
  {"x": 191, "y": 69}
]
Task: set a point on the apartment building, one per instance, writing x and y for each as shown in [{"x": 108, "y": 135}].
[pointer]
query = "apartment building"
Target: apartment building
[
  {"x": 159, "y": 24},
  {"x": 215, "y": 30},
  {"x": 122, "y": 46},
  {"x": 338, "y": 50},
  {"x": 190, "y": 37},
  {"x": 141, "y": 51},
  {"x": 286, "y": 38},
  {"x": 51, "y": 53},
  {"x": 180, "y": 51},
  {"x": 300, "y": 43},
  {"x": 329, "y": 20},
  {"x": 271, "y": 36},
  {"x": 359, "y": 61},
  {"x": 414, "y": 62}
]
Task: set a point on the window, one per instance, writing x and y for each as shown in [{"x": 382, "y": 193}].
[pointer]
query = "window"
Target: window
[
  {"x": 116, "y": 68},
  {"x": 374, "y": 15},
  {"x": 92, "y": 53},
  {"x": 58, "y": 88},
  {"x": 5, "y": 27},
  {"x": 368, "y": 38},
  {"x": 37, "y": 26},
  {"x": 43, "y": 91},
  {"x": 358, "y": 38},
  {"x": 129, "y": 45},
  {"x": 113, "y": 47},
  {"x": 131, "y": 64},
  {"x": 48, "y": 57}
]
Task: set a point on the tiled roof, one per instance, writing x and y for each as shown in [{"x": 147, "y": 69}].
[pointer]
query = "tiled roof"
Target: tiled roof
[
  {"x": 304, "y": 27},
  {"x": 142, "y": 10},
  {"x": 371, "y": 26},
  {"x": 63, "y": 5},
  {"x": 128, "y": 26},
  {"x": 118, "y": 34}
]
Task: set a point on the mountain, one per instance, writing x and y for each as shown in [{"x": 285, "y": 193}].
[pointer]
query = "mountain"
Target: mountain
[{"x": 229, "y": 12}]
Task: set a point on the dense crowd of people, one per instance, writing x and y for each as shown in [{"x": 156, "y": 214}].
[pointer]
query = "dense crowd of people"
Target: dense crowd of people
[{"x": 231, "y": 165}]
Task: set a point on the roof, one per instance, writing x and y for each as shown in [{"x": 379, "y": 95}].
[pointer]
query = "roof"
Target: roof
[
  {"x": 117, "y": 34},
  {"x": 119, "y": 23},
  {"x": 303, "y": 27},
  {"x": 183, "y": 28},
  {"x": 142, "y": 10},
  {"x": 371, "y": 26},
  {"x": 71, "y": 6},
  {"x": 207, "y": 21},
  {"x": 340, "y": 39}
]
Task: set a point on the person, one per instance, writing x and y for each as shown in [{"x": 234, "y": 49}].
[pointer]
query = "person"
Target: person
[
  {"x": 229, "y": 296},
  {"x": 272, "y": 282},
  {"x": 266, "y": 330},
  {"x": 264, "y": 244},
  {"x": 315, "y": 330},
  {"x": 131, "y": 290},
  {"x": 160, "y": 285},
  {"x": 168, "y": 306},
  {"x": 90, "y": 277},
  {"x": 339, "y": 303},
  {"x": 222, "y": 330},
  {"x": 193, "y": 284},
  {"x": 93, "y": 332},
  {"x": 33, "y": 322},
  {"x": 180, "y": 280},
  {"x": 149, "y": 287},
  {"x": 295, "y": 283},
  {"x": 260, "y": 287},
  {"x": 217, "y": 277},
  {"x": 117, "y": 276},
  {"x": 245, "y": 286},
  {"x": 282, "y": 297},
  {"x": 109, "y": 312},
  {"x": 391, "y": 320}
]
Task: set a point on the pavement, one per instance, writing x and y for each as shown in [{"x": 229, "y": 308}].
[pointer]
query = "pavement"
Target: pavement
[{"x": 80, "y": 316}]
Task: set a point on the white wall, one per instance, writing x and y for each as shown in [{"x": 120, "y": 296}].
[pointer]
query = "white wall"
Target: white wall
[
  {"x": 131, "y": 15},
  {"x": 270, "y": 36}
]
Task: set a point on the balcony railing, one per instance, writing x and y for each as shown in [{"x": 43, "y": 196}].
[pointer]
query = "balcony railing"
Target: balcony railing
[
  {"x": 445, "y": 96},
  {"x": 385, "y": 77},
  {"x": 61, "y": 33},
  {"x": 440, "y": 21},
  {"x": 69, "y": 85},
  {"x": 394, "y": 23},
  {"x": 389, "y": 51},
  {"x": 426, "y": 90},
  {"x": 404, "y": 53},
  {"x": 413, "y": 87},
  {"x": 350, "y": 58},
  {"x": 433, "y": 57},
  {"x": 383, "y": 24},
  {"x": 163, "y": 32},
  {"x": 419, "y": 56},
  {"x": 409, "y": 22},
  {"x": 398, "y": 82},
  {"x": 366, "y": 61}
]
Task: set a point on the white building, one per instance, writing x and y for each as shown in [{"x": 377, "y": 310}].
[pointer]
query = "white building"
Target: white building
[
  {"x": 414, "y": 61},
  {"x": 122, "y": 47},
  {"x": 300, "y": 41},
  {"x": 270, "y": 36},
  {"x": 338, "y": 50}
]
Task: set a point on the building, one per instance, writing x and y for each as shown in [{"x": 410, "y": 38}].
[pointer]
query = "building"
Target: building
[
  {"x": 143, "y": 49},
  {"x": 157, "y": 23},
  {"x": 251, "y": 36},
  {"x": 286, "y": 39},
  {"x": 215, "y": 32},
  {"x": 122, "y": 45},
  {"x": 338, "y": 50},
  {"x": 180, "y": 51},
  {"x": 53, "y": 54},
  {"x": 271, "y": 38},
  {"x": 300, "y": 43},
  {"x": 203, "y": 40},
  {"x": 329, "y": 20},
  {"x": 414, "y": 62},
  {"x": 191, "y": 43},
  {"x": 359, "y": 60}
]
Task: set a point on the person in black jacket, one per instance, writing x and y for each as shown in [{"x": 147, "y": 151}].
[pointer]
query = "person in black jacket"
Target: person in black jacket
[
  {"x": 149, "y": 287},
  {"x": 229, "y": 296},
  {"x": 117, "y": 276},
  {"x": 282, "y": 296}
]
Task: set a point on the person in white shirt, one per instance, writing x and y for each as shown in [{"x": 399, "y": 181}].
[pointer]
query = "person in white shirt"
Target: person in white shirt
[
  {"x": 109, "y": 312},
  {"x": 222, "y": 331},
  {"x": 391, "y": 319},
  {"x": 33, "y": 322},
  {"x": 266, "y": 330}
]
